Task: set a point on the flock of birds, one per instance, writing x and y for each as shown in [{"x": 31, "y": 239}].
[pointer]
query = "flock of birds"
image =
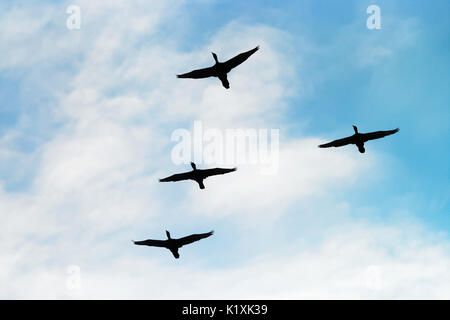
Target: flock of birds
[{"x": 220, "y": 70}]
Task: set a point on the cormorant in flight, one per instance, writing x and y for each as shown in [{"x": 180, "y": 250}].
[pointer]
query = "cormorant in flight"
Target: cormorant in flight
[
  {"x": 197, "y": 175},
  {"x": 358, "y": 139},
  {"x": 220, "y": 69},
  {"x": 173, "y": 244}
]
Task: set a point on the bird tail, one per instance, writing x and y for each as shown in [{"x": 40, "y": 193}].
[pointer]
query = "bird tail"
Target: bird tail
[{"x": 200, "y": 184}]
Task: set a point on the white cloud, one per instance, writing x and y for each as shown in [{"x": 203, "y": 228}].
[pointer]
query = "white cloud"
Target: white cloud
[
  {"x": 358, "y": 263},
  {"x": 304, "y": 171}
]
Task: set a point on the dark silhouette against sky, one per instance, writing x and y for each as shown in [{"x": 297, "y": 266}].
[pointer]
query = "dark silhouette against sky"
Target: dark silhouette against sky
[
  {"x": 220, "y": 69},
  {"x": 174, "y": 244},
  {"x": 359, "y": 139},
  {"x": 197, "y": 175}
]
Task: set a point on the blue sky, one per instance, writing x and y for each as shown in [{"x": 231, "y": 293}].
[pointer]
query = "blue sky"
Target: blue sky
[{"x": 85, "y": 123}]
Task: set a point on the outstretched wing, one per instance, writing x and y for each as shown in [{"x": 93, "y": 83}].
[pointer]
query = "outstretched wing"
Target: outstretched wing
[
  {"x": 177, "y": 177},
  {"x": 198, "y": 74},
  {"x": 216, "y": 171},
  {"x": 234, "y": 62},
  {"x": 337, "y": 143},
  {"x": 194, "y": 237},
  {"x": 152, "y": 243},
  {"x": 378, "y": 134}
]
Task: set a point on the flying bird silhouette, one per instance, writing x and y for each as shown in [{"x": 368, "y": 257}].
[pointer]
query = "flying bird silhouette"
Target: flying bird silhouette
[
  {"x": 220, "y": 69},
  {"x": 197, "y": 175},
  {"x": 359, "y": 139},
  {"x": 173, "y": 244}
]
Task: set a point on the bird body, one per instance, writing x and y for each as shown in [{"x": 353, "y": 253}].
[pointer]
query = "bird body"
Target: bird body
[
  {"x": 220, "y": 69},
  {"x": 197, "y": 175},
  {"x": 359, "y": 139},
  {"x": 174, "y": 244}
]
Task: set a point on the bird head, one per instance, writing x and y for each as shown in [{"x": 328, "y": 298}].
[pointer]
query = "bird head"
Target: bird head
[
  {"x": 355, "y": 128},
  {"x": 215, "y": 57},
  {"x": 168, "y": 234},
  {"x": 193, "y": 166}
]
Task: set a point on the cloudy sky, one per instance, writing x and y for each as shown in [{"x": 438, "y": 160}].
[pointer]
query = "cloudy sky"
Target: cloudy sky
[{"x": 86, "y": 118}]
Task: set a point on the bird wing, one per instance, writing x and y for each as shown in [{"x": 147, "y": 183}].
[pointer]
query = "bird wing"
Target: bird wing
[
  {"x": 237, "y": 60},
  {"x": 198, "y": 74},
  {"x": 337, "y": 143},
  {"x": 194, "y": 237},
  {"x": 378, "y": 134},
  {"x": 177, "y": 177},
  {"x": 152, "y": 243},
  {"x": 216, "y": 171}
]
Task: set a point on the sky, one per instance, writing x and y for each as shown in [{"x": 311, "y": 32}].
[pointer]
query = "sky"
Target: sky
[{"x": 87, "y": 115}]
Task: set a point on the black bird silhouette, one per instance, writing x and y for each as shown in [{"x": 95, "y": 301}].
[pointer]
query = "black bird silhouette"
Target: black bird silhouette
[
  {"x": 197, "y": 175},
  {"x": 173, "y": 244},
  {"x": 359, "y": 139},
  {"x": 220, "y": 69}
]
